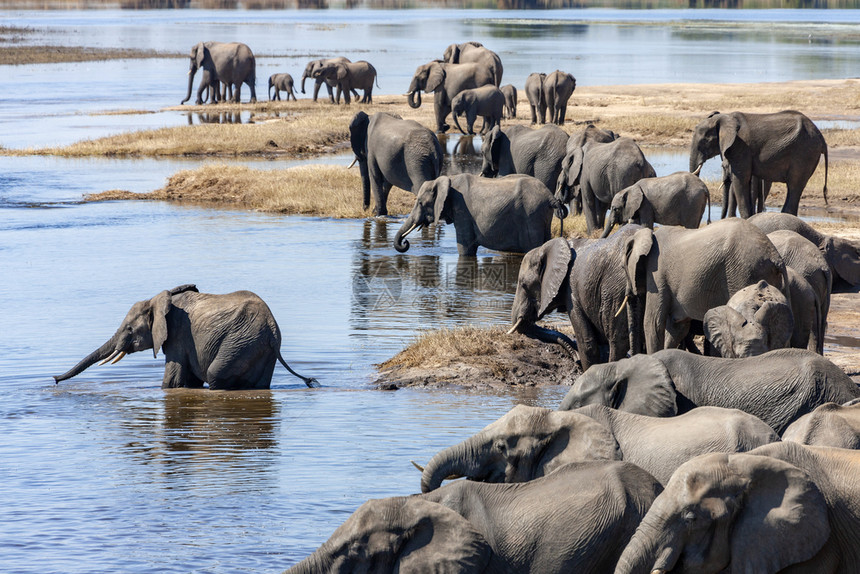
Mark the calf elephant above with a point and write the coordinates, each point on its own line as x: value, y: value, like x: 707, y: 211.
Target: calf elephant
x: 783, y: 146
x: 281, y: 82
x: 828, y: 425
x: 557, y: 89
x: 446, y: 81
x: 393, y: 152
x: 518, y: 149
x: 486, y: 101
x: 232, y: 63
x: 475, y: 53
x: 511, y: 213
x: 781, y: 508
x: 778, y: 387
x: 510, y: 93
x: 330, y: 83
x: 536, y: 97
x: 229, y: 341
x: 349, y: 77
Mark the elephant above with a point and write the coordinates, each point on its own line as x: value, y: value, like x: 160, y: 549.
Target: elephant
x: 531, y: 442
x: 446, y: 81
x: 281, y: 82
x: 783, y: 146
x: 536, y: 97
x: 577, y: 519
x: 677, y: 199
x: 842, y: 255
x: 759, y: 190
x: 313, y: 66
x: 588, y: 283
x: 511, y: 213
x: 231, y: 63
x: 755, y: 320
x: 557, y: 89
x: 828, y: 425
x: 684, y: 272
x: 486, y: 101
x: 518, y: 149
x: 782, y: 507
x: 229, y: 341
x: 778, y: 387
x: 600, y: 170
x: 349, y: 77
x: 390, y: 152
x: 510, y: 92
x: 475, y: 53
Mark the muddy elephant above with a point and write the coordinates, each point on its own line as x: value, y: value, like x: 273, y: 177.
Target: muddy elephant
x: 330, y: 84
x: 475, y: 53
x: 231, y: 63
x: 511, y: 213
x: 390, y: 152
x: 486, y: 101
x: 348, y: 77
x: 536, y: 97
x: 281, y: 82
x: 828, y: 425
x: 783, y: 146
x: 229, y: 341
x: 510, y: 93
x: 778, y: 387
x: 782, y: 508
x: 677, y: 199
x: 446, y: 81
x: 518, y: 149
x: 549, y: 525
x: 558, y: 86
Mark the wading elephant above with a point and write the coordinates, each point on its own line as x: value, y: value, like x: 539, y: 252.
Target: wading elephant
x: 349, y: 77
x: 828, y: 425
x: 446, y: 81
x: 229, y: 341
x: 684, y: 272
x: 778, y: 387
x: 475, y: 53
x: 842, y: 255
x: 281, y: 82
x: 578, y: 519
x: 781, y: 508
x: 557, y: 89
x: 518, y: 149
x: 530, y: 442
x: 393, y: 152
x: 536, y: 98
x: 231, y: 63
x: 511, y: 213
x: 330, y: 84
x: 510, y: 93
x: 677, y: 199
x: 486, y: 101
x: 784, y: 146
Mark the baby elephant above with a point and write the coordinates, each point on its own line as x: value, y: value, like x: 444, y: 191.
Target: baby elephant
x: 486, y: 101
x: 510, y: 92
x: 677, y: 199
x: 229, y: 341
x: 281, y: 82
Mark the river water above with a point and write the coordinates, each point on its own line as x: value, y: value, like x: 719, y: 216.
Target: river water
x: 107, y: 472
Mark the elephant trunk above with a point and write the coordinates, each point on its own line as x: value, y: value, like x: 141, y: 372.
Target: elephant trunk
x: 459, y: 460
x: 304, y: 75
x: 321, y: 561
x: 652, y: 548
x: 99, y: 354
x: 191, y: 74
x: 400, y: 242
x: 550, y: 336
x: 610, y: 223
x: 412, y: 103
x: 365, y: 185
x: 454, y: 115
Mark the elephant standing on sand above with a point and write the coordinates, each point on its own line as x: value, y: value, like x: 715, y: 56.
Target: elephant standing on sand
x: 536, y: 97
x: 281, y: 82
x: 393, y: 152
x: 486, y: 101
x: 232, y: 64
x: 229, y: 341
x: 518, y: 149
x: 784, y: 146
x: 330, y: 84
x: 349, y: 77
x: 510, y: 93
x: 446, y: 81
x: 557, y: 89
x: 475, y: 53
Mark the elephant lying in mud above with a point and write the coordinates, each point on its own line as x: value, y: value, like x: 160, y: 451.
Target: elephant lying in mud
x: 530, y: 442
x: 778, y: 387
x: 828, y: 425
x: 578, y: 519
x: 229, y: 341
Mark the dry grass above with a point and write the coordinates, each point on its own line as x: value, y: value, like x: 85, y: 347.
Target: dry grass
x: 21, y: 55
x: 442, y: 346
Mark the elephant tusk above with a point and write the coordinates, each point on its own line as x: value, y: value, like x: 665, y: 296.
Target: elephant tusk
x: 623, y: 305
x: 355, y: 159
x: 416, y: 465
x: 658, y: 571
x: 118, y: 358
x: 112, y: 355
x: 514, y: 328
x: 698, y: 170
x: 411, y: 229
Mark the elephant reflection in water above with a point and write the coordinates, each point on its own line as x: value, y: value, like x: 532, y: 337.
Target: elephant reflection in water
x: 226, y: 117
x: 462, y: 154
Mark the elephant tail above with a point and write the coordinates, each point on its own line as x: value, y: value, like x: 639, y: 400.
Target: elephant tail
x: 560, y: 209
x: 824, y: 191
x: 309, y: 381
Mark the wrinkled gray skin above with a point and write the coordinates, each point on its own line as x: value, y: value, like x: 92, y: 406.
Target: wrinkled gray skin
x: 518, y: 149
x: 510, y: 92
x: 755, y: 320
x: 778, y: 387
x: 558, y: 86
x: 231, y: 63
x: 600, y: 170
x: 330, y: 84
x: 486, y: 101
x: 759, y: 190
x: 842, y: 255
x: 281, y: 82
x: 445, y: 81
x: 781, y: 508
x: 684, y: 272
x: 589, y: 284
x: 783, y: 146
x: 536, y: 98
x: 347, y: 78
x: 530, y: 442
x: 804, y: 258
x: 806, y: 310
x: 511, y: 213
x: 475, y: 53
x: 677, y: 199
x: 392, y: 152
x: 828, y: 425
x: 229, y: 341
x: 576, y: 520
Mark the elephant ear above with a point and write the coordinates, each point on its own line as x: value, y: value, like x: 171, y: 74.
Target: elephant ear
x: 556, y: 260
x: 342, y: 72
x: 575, y: 437
x: 452, y: 54
x: 778, y: 323
x: 160, y: 306
x: 720, y: 325
x: 782, y: 505
x: 728, y: 126
x: 435, y: 78
x: 643, y: 386
x: 636, y: 250
x: 199, y: 54
x: 495, y: 145
x: 575, y: 170
x: 440, y: 205
x: 844, y: 256
x: 633, y: 203
x: 358, y: 134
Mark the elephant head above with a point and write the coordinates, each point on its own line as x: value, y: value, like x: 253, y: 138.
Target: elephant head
x: 491, y: 150
x: 144, y: 327
x: 629, y: 206
x: 459, y: 106
x: 526, y: 443
x: 843, y: 255
x: 310, y: 68
x: 358, y: 141
x: 432, y: 205
x: 713, y: 136
x: 640, y: 385
x: 428, y: 78
x: 335, y: 71
x: 730, y: 513
x: 200, y: 58
x: 402, y: 534
x: 571, y: 165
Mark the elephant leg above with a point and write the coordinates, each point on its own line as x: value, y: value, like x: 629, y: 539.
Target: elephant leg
x: 442, y: 109
x: 589, y: 208
x: 676, y: 333
x: 347, y: 97
x: 741, y: 190
x: 386, y: 189
x: 542, y: 108
x: 533, y: 111
x: 253, y: 90
x: 655, y: 316
x: 586, y: 340
x: 792, y: 196
x: 467, y: 239
x: 178, y: 375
